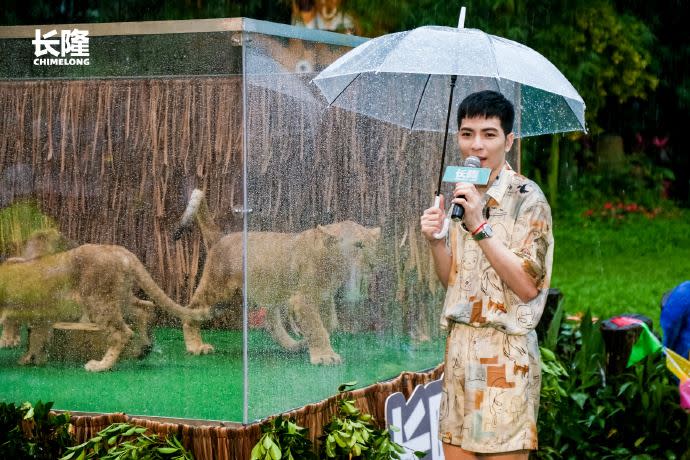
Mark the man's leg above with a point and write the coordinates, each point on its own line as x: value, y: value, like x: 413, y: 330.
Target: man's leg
x: 451, y: 452
x: 514, y: 455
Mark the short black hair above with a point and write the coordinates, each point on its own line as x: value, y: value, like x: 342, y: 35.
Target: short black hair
x: 488, y: 104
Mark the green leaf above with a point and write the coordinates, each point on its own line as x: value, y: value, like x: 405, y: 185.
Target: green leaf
x: 344, y: 386
x: 258, y: 452
x: 275, y: 453
x: 266, y: 441
x: 167, y: 450
x: 624, y: 387
x: 554, y: 327
x: 547, y: 355
x: 29, y: 413
x: 579, y: 398
x: 339, y: 440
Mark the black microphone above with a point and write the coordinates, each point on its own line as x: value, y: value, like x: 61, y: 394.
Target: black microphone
x: 459, y: 211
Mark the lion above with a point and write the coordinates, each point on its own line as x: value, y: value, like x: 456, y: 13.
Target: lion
x: 91, y: 280
x: 39, y: 243
x: 301, y: 270
x: 50, y: 241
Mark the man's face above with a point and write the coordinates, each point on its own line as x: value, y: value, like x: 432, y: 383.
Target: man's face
x: 484, y: 138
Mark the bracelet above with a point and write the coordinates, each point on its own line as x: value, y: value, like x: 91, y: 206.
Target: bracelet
x: 479, y: 228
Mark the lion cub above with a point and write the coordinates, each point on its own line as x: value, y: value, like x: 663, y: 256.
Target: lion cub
x: 40, y: 243
x: 95, y: 281
x: 301, y: 270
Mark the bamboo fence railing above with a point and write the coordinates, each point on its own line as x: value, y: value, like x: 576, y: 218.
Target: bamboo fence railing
x: 218, y: 441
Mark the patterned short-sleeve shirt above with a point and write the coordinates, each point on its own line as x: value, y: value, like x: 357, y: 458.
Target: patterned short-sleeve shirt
x: 491, y: 383
x: 521, y: 219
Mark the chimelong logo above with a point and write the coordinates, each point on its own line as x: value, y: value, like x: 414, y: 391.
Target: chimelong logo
x: 71, y: 47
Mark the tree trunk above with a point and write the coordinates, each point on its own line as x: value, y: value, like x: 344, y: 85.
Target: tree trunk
x: 619, y: 341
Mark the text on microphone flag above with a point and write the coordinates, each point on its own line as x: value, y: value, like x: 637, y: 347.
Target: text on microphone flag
x: 477, y: 176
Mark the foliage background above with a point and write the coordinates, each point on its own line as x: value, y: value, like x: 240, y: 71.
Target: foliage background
x: 620, y: 229
x: 628, y: 59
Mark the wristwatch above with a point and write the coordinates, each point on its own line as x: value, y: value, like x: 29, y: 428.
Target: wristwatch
x: 485, y: 232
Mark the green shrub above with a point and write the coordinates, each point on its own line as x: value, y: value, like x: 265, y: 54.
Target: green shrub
x: 636, y: 181
x: 33, y: 432
x: 122, y: 441
x: 350, y: 434
x: 584, y: 414
x: 283, y: 438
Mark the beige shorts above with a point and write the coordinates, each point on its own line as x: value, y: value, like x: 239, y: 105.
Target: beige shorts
x: 491, y: 390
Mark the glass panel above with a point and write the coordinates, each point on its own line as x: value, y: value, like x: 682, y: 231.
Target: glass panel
x: 340, y: 285
x: 109, y: 154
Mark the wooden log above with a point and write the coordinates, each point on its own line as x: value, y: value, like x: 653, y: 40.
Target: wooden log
x: 553, y: 299
x: 81, y: 342
x: 619, y: 341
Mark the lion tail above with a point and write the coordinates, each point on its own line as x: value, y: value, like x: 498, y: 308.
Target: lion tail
x: 188, y: 215
x: 160, y: 298
x: 198, y: 209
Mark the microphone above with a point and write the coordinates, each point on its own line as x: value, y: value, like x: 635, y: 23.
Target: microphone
x: 459, y: 211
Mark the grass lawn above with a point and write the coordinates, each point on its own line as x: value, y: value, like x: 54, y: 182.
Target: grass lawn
x: 625, y: 266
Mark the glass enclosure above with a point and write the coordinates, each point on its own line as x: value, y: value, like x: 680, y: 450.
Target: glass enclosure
x: 203, y: 149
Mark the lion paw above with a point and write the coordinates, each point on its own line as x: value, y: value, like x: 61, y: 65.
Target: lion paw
x: 201, y: 349
x: 326, y: 358
x: 26, y: 359
x: 96, y: 366
x: 33, y: 358
x: 143, y: 350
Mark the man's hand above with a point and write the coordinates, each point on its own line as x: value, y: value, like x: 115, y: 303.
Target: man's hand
x: 467, y: 196
x: 432, y: 221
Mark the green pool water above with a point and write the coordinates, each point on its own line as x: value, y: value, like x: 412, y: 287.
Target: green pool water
x: 171, y: 383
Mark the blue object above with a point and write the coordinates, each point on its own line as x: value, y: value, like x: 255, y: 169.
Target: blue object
x: 464, y: 174
x: 675, y: 319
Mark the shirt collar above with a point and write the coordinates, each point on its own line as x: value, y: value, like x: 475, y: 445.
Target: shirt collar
x: 498, y: 189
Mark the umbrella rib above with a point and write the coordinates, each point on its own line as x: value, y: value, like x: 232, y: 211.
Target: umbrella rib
x: 419, y: 102
x: 493, y: 55
x: 344, y: 89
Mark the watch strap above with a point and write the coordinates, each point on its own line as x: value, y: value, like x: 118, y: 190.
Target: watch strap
x: 484, y: 232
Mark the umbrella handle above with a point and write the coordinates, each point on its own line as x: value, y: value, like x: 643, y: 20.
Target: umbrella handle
x: 446, y: 222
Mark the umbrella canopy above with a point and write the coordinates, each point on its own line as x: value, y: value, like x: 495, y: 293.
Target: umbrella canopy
x: 402, y: 78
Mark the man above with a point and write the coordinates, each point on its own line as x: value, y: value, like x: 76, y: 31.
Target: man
x: 497, y: 272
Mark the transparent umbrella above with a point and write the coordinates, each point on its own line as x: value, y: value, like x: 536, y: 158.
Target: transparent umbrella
x: 403, y: 78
